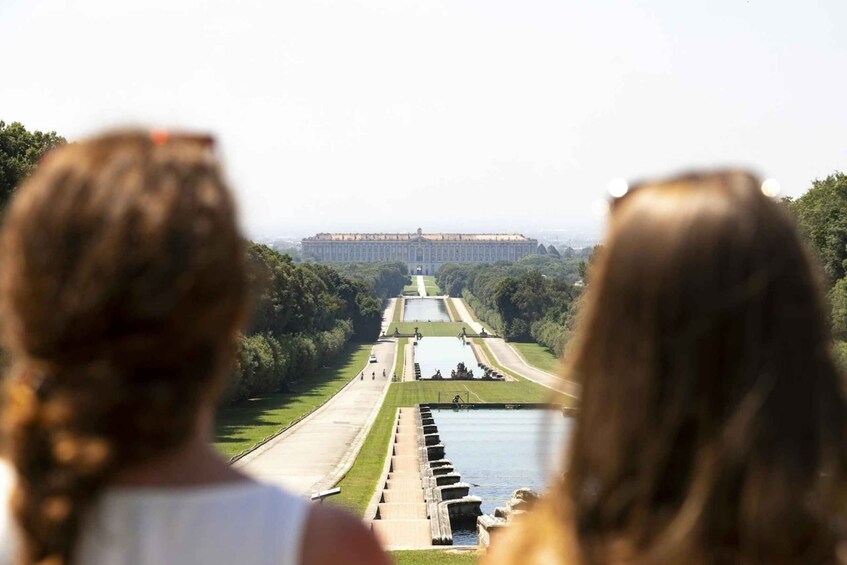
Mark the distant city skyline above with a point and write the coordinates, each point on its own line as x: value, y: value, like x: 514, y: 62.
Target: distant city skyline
x: 444, y: 114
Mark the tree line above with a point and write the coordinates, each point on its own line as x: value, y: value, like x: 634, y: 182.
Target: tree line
x: 304, y: 315
x: 20, y: 151
x: 533, y: 299
x: 821, y: 214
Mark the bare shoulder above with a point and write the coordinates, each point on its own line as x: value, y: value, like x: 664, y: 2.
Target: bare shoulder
x: 335, y: 536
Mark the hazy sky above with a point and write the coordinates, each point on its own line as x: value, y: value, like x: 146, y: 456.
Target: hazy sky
x: 470, y: 114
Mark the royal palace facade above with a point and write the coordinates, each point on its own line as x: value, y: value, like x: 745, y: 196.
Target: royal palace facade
x: 423, y: 253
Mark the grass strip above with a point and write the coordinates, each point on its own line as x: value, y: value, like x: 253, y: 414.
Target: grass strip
x: 537, y: 356
x: 399, y: 307
x: 485, y: 325
x: 399, y: 359
x: 242, y: 426
x: 435, y: 557
x: 410, y: 290
x: 440, y: 329
x: 431, y: 286
x: 454, y: 314
x: 358, y: 486
x: 429, y: 280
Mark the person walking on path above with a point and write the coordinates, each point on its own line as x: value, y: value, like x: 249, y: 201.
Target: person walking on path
x: 123, y: 290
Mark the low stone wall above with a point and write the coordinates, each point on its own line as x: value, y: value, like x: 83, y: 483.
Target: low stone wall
x: 487, y: 525
x: 448, y: 500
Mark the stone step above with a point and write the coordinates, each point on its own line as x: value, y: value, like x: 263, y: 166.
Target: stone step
x: 402, y: 495
x: 405, y: 467
x: 404, y: 474
x: 405, y: 464
x: 403, y: 533
x: 404, y: 483
x: 402, y: 511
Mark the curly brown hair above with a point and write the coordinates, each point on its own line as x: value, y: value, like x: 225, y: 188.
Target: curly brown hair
x: 122, y: 287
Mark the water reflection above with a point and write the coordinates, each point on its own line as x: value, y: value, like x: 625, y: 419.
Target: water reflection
x: 425, y: 310
x: 444, y: 353
x: 497, y: 451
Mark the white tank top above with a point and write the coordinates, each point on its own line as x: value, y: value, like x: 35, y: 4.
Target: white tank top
x: 243, y: 523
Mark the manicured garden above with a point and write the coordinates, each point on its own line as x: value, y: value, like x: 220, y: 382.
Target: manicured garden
x: 439, y: 329
x: 358, y: 486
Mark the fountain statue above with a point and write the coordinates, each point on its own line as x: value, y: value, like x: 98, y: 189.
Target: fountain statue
x: 461, y: 372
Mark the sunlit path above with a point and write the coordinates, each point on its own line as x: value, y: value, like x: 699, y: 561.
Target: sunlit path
x: 421, y: 286
x: 316, y: 452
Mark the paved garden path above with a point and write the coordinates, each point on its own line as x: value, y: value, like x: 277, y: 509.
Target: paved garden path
x: 315, y: 453
x: 505, y: 355
x: 421, y: 286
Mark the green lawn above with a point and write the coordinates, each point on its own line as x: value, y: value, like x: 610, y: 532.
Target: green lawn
x: 431, y: 287
x: 452, y: 309
x: 410, y: 289
x: 242, y: 426
x: 399, y: 359
x: 435, y: 557
x: 441, y: 329
x: 398, y: 310
x: 538, y: 356
x: 359, y: 484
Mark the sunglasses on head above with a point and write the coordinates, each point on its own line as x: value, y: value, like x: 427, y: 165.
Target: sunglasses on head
x: 619, y: 188
x: 163, y: 136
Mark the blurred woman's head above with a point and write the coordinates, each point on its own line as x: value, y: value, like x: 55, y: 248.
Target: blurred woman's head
x: 711, y: 426
x: 712, y: 420
x: 122, y: 287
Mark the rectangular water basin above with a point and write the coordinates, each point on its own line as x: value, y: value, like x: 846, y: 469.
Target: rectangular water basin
x: 425, y: 310
x: 498, y: 451
x: 444, y: 353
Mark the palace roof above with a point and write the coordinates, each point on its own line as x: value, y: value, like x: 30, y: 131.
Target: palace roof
x: 419, y: 236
